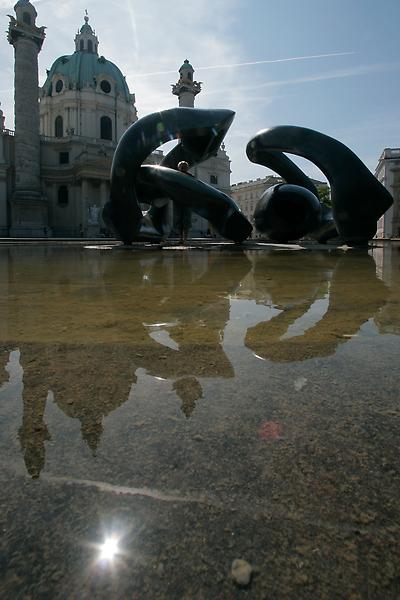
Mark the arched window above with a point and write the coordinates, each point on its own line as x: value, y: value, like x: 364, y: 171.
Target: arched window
x: 62, y: 195
x: 59, y: 126
x: 26, y: 17
x: 90, y: 46
x: 82, y: 45
x: 190, y: 76
x: 106, y: 128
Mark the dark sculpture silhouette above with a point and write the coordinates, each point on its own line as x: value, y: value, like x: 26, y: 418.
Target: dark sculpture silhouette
x: 358, y: 198
x: 201, y: 133
x: 287, y: 212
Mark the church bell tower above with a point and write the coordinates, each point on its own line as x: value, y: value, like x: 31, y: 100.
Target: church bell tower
x: 28, y: 206
x: 186, y: 89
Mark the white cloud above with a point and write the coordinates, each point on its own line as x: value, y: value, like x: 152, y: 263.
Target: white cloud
x: 327, y: 75
x: 253, y: 63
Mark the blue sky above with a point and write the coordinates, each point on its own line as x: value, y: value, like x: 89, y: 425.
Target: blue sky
x: 351, y: 91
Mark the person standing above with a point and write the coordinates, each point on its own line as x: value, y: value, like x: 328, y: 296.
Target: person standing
x: 183, y: 213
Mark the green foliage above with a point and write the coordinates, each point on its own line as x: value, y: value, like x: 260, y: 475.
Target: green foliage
x: 325, y: 195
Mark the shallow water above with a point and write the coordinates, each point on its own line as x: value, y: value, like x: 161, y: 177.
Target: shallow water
x: 197, y: 407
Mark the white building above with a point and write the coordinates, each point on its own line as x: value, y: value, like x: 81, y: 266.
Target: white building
x: 388, y: 173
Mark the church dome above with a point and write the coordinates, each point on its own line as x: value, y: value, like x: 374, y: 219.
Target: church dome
x: 85, y: 94
x: 85, y: 69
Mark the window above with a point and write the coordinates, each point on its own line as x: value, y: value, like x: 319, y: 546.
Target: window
x: 82, y: 45
x: 59, y: 86
x: 59, y: 127
x: 63, y: 195
x: 105, y: 86
x: 213, y: 179
x: 26, y: 17
x: 105, y: 128
x: 90, y: 46
x: 190, y: 76
x: 64, y: 158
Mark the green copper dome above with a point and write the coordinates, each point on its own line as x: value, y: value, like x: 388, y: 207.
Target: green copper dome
x: 85, y: 69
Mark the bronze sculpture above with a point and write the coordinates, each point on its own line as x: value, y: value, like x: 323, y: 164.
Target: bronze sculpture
x: 285, y: 212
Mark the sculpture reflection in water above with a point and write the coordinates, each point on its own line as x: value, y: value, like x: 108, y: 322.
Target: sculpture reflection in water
x: 89, y: 346
x: 348, y: 294
x: 200, y: 133
x: 358, y: 198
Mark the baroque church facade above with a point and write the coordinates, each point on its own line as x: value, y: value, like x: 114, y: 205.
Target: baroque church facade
x: 55, y: 167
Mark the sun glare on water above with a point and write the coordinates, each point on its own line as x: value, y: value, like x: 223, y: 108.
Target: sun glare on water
x: 109, y: 549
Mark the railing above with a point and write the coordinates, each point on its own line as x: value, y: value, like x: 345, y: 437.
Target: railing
x: 78, y: 138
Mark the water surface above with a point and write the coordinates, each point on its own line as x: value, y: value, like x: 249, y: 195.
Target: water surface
x: 189, y: 408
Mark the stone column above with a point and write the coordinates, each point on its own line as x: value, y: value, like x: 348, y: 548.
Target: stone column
x: 28, y: 206
x: 3, y: 184
x: 27, y: 141
x: 396, y: 209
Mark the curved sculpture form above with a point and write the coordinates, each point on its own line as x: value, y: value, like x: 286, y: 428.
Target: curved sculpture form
x: 201, y: 133
x: 208, y: 202
x: 329, y: 277
x: 291, y: 173
x: 287, y: 212
x: 358, y: 199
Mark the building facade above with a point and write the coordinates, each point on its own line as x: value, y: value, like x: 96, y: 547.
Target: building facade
x: 388, y: 173
x: 55, y: 167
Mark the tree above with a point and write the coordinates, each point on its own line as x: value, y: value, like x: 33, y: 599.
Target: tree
x: 324, y: 192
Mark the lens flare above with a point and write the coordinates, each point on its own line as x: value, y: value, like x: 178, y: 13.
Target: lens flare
x: 109, y: 549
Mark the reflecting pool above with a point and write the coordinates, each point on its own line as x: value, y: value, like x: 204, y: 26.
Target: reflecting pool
x: 164, y: 413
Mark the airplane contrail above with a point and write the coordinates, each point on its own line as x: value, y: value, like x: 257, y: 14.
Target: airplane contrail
x: 254, y: 62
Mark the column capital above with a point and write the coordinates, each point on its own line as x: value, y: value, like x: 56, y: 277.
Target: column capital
x: 18, y: 30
